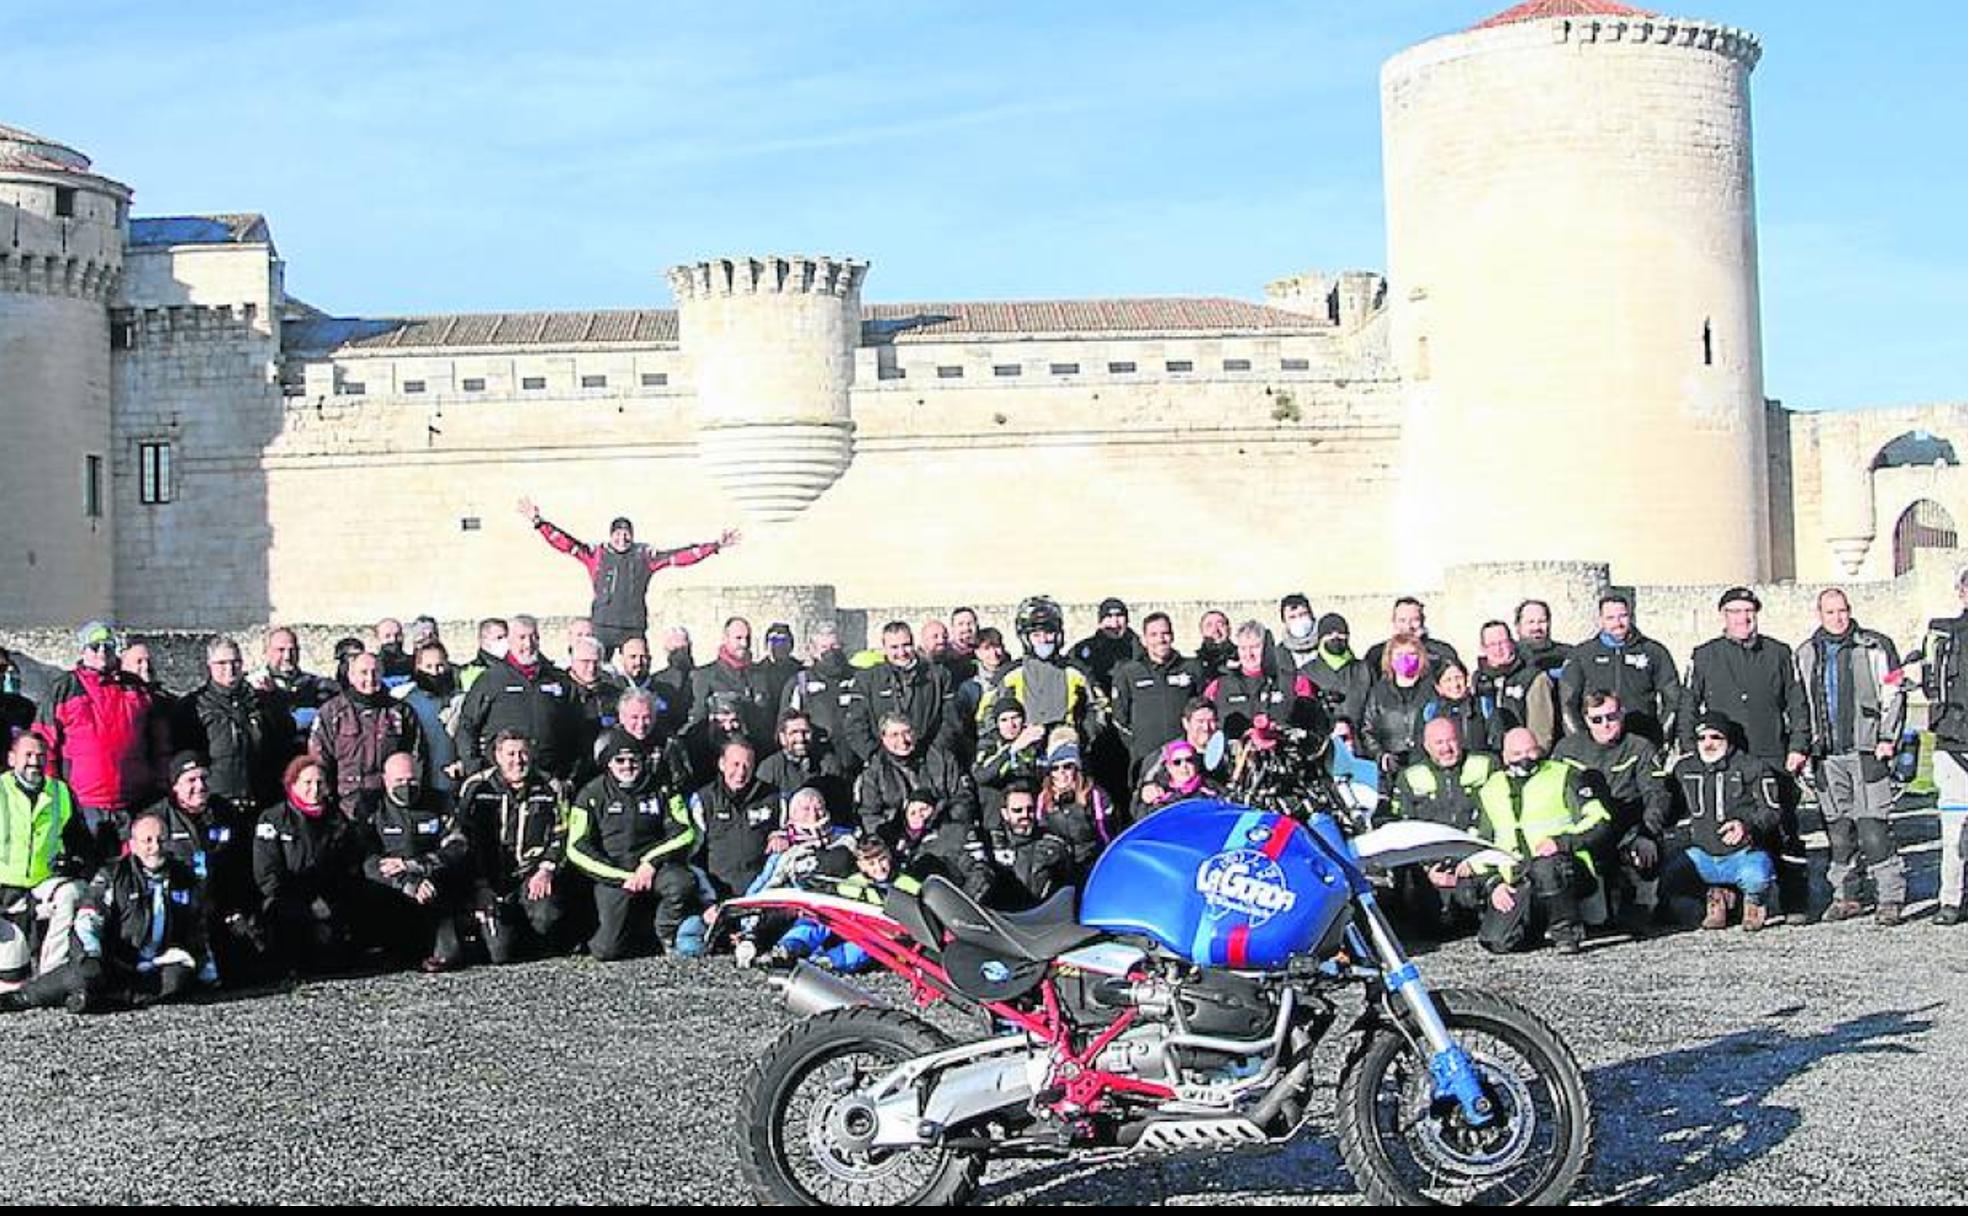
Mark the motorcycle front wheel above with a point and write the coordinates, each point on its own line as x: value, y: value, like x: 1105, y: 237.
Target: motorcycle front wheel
x: 1405, y: 1146
x: 803, y: 1129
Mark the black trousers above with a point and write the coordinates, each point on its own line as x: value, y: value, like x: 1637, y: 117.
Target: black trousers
x: 1548, y: 893
x: 514, y: 928
x: 110, y: 983
x: 631, y: 924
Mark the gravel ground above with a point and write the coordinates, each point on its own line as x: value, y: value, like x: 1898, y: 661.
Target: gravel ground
x: 1811, y: 1065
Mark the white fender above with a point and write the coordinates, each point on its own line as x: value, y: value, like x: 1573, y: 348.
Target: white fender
x: 1407, y: 842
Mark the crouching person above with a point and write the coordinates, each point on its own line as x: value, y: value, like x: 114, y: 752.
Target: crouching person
x: 631, y: 834
x: 140, y: 933
x: 44, y: 842
x: 807, y: 853
x: 1732, y: 801
x: 873, y: 878
x: 414, y: 901
x: 1544, y: 812
x: 510, y: 835
x: 305, y: 858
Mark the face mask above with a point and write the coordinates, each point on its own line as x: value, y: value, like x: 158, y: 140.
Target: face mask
x: 1301, y: 628
x: 1335, y: 647
x: 405, y: 795
x: 498, y: 649
x: 1521, y: 769
x: 1407, y: 666
x: 440, y: 685
x: 1045, y: 650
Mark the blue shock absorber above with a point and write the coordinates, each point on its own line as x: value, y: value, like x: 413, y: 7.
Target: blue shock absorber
x: 1450, y: 1067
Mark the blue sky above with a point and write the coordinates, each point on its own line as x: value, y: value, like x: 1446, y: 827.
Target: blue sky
x: 443, y: 156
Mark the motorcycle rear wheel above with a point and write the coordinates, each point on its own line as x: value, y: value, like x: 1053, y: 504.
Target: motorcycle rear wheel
x: 1406, y: 1148
x: 795, y: 1123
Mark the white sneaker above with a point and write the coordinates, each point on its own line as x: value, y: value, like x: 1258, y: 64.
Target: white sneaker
x: 745, y: 953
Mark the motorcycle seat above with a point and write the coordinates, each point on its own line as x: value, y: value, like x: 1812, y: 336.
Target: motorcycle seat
x: 1037, y: 936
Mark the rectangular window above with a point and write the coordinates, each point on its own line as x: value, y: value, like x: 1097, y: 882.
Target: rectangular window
x: 65, y: 202
x: 1120, y: 369
x: 594, y: 382
x: 122, y: 335
x: 1236, y: 365
x: 949, y: 372
x: 153, y: 473
x: 413, y: 386
x: 1181, y: 365
x: 1065, y: 369
x: 470, y: 523
x: 1007, y: 369
x: 474, y: 385
x: 533, y: 384
x: 1295, y: 365
x: 92, y: 485
x: 351, y: 388
x: 655, y: 379
x: 892, y: 373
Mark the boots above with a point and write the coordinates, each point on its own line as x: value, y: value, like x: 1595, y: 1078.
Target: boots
x: 1720, y: 901
x: 1842, y: 909
x: 1755, y: 916
x: 1949, y: 914
x: 1890, y: 916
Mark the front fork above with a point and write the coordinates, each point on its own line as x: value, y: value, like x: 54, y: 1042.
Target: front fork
x: 1454, y: 1074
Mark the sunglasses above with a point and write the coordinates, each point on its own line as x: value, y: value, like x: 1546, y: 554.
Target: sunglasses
x: 1709, y: 736
x: 1602, y: 719
x: 1182, y: 762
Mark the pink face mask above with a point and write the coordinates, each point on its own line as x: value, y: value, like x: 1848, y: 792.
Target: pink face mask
x: 1407, y: 666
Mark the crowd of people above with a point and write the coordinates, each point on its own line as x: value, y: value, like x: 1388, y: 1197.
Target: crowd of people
x: 411, y: 809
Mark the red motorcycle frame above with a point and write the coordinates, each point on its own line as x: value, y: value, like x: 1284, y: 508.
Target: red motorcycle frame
x: 1081, y: 1089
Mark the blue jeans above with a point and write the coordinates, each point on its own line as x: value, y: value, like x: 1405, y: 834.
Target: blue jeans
x: 1751, y: 871
x: 809, y: 938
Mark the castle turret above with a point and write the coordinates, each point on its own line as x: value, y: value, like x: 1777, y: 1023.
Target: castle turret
x: 1573, y: 286
x: 771, y: 343
x: 61, y: 251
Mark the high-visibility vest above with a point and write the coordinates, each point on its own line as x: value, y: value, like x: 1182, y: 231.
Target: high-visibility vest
x: 31, y: 829
x: 1550, y: 803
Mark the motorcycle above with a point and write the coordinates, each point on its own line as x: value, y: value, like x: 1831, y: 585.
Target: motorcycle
x: 1177, y: 1011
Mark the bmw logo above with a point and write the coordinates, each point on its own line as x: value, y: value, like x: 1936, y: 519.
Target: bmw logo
x: 994, y: 972
x: 1258, y: 835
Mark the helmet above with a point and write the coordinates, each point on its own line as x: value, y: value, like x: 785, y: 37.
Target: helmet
x: 1039, y: 612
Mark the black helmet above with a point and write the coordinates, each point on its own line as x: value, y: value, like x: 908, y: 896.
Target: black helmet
x: 1039, y: 612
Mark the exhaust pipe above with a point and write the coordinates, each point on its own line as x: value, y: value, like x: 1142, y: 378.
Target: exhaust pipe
x: 809, y: 991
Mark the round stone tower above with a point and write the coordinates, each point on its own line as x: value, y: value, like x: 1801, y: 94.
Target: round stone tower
x: 1573, y: 287
x: 771, y: 343
x: 61, y: 251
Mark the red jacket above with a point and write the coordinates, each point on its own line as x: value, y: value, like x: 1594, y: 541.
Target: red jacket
x: 107, y: 740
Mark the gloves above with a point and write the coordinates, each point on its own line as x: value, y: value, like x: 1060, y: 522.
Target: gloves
x: 1644, y: 852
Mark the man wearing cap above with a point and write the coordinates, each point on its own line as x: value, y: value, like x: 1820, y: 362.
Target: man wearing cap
x: 1014, y: 751
x: 1619, y: 660
x: 620, y: 571
x: 1733, y: 803
x: 780, y: 668
x: 212, y: 836
x: 105, y: 735
x: 1752, y: 681
x: 1110, y: 645
x: 1149, y: 693
x: 1340, y: 680
x: 1854, y: 709
x: 243, y: 731
x: 632, y: 835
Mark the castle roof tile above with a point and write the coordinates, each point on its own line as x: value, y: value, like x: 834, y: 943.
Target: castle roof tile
x: 1539, y: 10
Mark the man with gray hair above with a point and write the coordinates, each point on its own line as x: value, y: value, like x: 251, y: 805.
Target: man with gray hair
x: 242, y: 731
x: 594, y: 695
x: 1944, y: 676
x: 1855, y: 708
x: 1254, y: 684
x: 824, y: 691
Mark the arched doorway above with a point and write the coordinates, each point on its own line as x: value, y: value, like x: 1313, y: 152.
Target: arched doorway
x: 1924, y: 525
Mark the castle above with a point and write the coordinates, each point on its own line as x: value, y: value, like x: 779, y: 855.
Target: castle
x: 1562, y: 364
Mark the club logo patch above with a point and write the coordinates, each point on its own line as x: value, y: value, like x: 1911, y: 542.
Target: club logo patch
x: 1246, y: 883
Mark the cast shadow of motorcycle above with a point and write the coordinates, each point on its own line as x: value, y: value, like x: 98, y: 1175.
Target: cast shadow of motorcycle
x: 1216, y: 947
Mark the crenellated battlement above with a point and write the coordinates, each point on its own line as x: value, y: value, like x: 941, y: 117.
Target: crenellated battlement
x: 140, y: 328
x: 795, y: 274
x: 44, y: 274
x: 1614, y: 31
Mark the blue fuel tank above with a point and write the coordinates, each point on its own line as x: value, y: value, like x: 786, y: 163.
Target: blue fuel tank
x: 1220, y: 885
